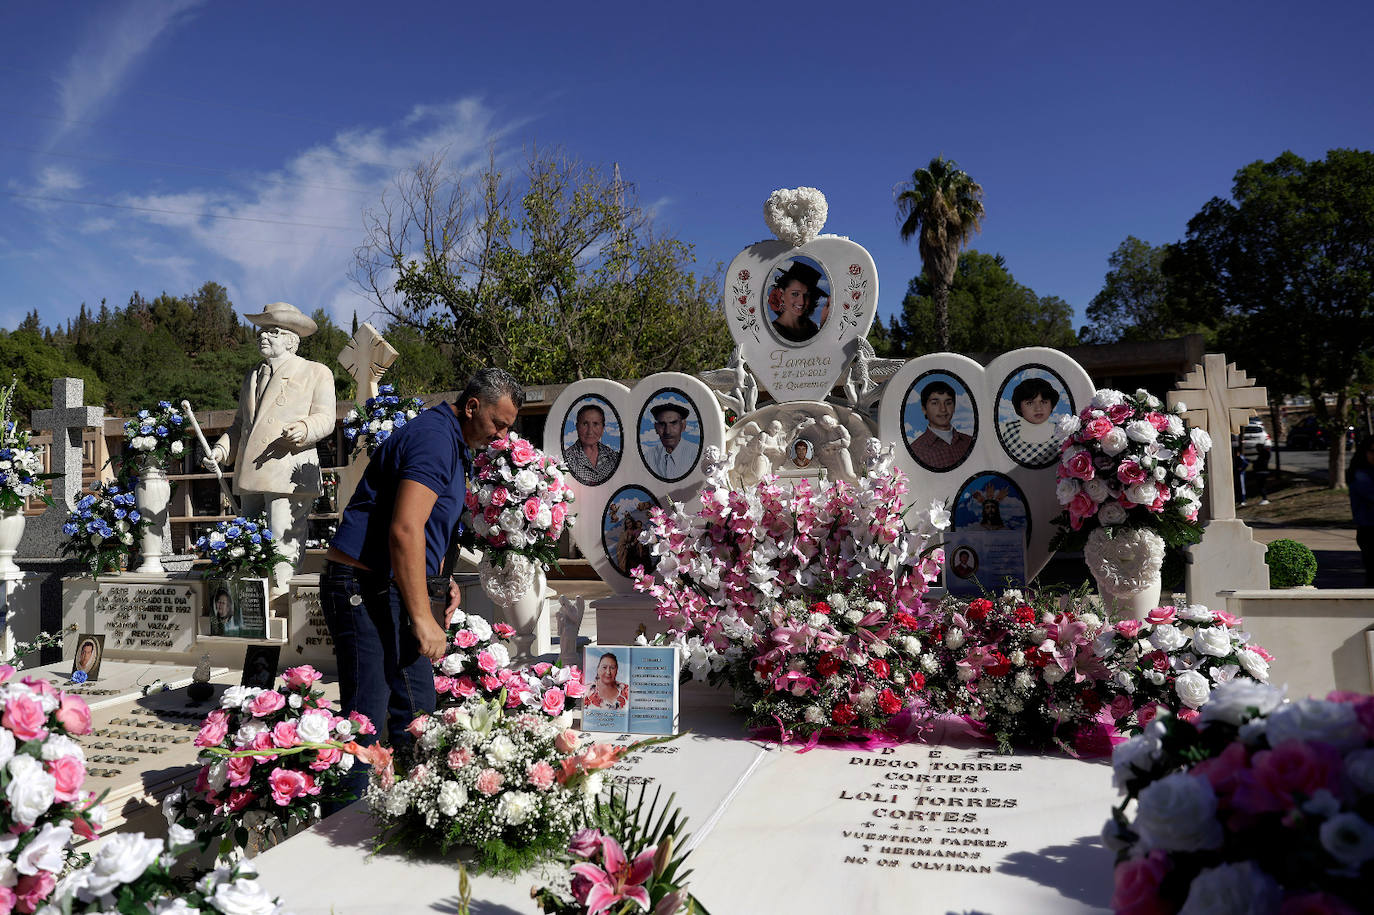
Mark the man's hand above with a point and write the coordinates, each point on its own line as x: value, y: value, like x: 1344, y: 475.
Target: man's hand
x: 455, y: 594
x: 432, y: 639
x: 296, y: 432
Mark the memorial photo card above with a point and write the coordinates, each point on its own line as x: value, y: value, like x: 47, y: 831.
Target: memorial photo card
x: 237, y: 607
x: 260, y: 666
x: 90, y: 649
x: 631, y: 689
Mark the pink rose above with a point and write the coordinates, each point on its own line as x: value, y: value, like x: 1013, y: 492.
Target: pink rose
x: 1158, y: 420
x: 489, y: 781
x: 566, y: 742
x: 6, y: 671
x: 24, y: 716
x: 1082, y: 506
x: 1137, y: 881
x: 326, y: 758
x: 287, y: 785
x: 1225, y: 618
x: 32, y: 890
x: 504, y: 631
x: 459, y: 757
x: 1223, y: 771
x: 1080, y: 466
x: 1119, y: 413
x: 266, y: 702
x: 575, y: 688
x: 541, y: 775
x: 361, y: 724
x: 463, y: 687
x: 284, y: 734
x: 41, y: 686
x: 489, y: 683
x: 1189, y: 715
x: 1129, y: 628
x: 240, y: 799
x: 531, y: 508
x: 486, y: 662
x: 1096, y: 428
x: 416, y: 728
x: 465, y: 638
x: 1130, y: 473
x: 1160, y: 615
x: 470, y: 501
x: 522, y: 452
x: 553, y: 701
x: 1121, y: 706
x: 1146, y: 713
x: 69, y: 774
x: 74, y: 714
x: 491, y: 513
x: 559, y: 513
x: 1294, y: 767
x: 240, y: 770
x: 304, y: 675
x: 499, y: 497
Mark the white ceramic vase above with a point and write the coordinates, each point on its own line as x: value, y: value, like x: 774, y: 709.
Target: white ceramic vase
x: 11, y: 532
x: 152, y: 495
x: 1125, y: 563
x: 519, y: 590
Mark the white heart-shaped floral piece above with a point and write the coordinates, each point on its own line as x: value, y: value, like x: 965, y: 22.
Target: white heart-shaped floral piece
x: 796, y: 215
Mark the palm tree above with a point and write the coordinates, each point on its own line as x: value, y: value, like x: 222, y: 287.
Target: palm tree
x: 943, y: 206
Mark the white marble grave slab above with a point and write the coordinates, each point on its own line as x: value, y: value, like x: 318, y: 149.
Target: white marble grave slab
x: 140, y: 615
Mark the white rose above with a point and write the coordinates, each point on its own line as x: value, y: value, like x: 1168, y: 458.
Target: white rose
x: 122, y: 858
x: 1141, y: 431
x: 1134, y: 756
x: 1173, y: 425
x: 1316, y: 719
x: 218, y: 775
x: 249, y: 732
x: 480, y: 627
x: 1196, y: 613
x: 1178, y: 813
x: 515, y: 807
x: 526, y: 481
x: 1214, y: 641
x: 31, y: 790
x: 314, y: 727
x: 1142, y: 493
x: 1167, y: 637
x: 1359, y: 768
x: 1349, y: 838
x: 451, y: 665
x: 451, y: 797
x: 180, y: 837
x: 1253, y: 664
x: 1107, y: 397
x: 1111, y: 514
x: 1066, y: 489
x: 1069, y: 424
x: 1053, y: 674
x: 516, y: 540
x: 1192, y: 688
x: 178, y: 447
x: 1200, y: 439
x: 544, y: 518
x: 237, y: 697
x: 1098, y: 490
x: 501, y: 750
x: 511, y: 520
x: 6, y: 746
x: 954, y: 638
x: 1114, y: 442
x: 1231, y: 888
x: 46, y: 851
x: 173, y: 907
x: 243, y: 897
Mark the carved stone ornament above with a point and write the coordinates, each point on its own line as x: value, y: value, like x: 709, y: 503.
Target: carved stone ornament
x: 792, y: 440
x: 1126, y: 565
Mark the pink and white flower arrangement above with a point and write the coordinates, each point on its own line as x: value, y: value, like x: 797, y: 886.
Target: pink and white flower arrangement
x: 518, y: 503
x: 1257, y: 805
x: 1127, y: 462
x: 270, y: 758
x: 1022, y: 667
x: 42, y: 803
x: 1172, y: 659
x: 513, y: 786
x: 477, y: 664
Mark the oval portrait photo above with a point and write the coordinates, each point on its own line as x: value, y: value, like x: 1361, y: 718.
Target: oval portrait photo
x: 1030, y: 404
x: 990, y: 502
x: 939, y: 421
x: 797, y: 297
x: 669, y: 434
x: 592, y: 440
x: 625, y: 518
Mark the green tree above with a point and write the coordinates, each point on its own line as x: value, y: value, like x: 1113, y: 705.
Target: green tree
x: 1133, y: 302
x: 324, y: 346
x: 556, y: 274
x: 34, y: 362
x: 990, y: 312
x: 1285, y: 270
x: 942, y: 207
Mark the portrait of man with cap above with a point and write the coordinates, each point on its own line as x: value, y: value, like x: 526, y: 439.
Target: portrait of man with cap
x: 670, y: 458
x: 286, y: 405
x: 795, y: 295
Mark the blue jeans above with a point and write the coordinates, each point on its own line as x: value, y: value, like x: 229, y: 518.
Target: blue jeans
x: 381, y: 671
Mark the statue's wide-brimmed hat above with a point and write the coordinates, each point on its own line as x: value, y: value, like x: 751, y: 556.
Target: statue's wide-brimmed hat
x: 282, y: 314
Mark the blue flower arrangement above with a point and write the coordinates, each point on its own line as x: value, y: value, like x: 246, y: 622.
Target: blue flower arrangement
x: 154, y: 437
x: 381, y: 416
x: 239, y: 547
x: 103, y: 526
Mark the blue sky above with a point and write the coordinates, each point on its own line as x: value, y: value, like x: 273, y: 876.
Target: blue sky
x: 1084, y: 123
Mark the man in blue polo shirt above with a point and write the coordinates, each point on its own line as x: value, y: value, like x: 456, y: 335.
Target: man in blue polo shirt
x: 395, y: 533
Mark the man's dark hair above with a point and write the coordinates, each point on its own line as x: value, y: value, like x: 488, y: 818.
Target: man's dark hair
x: 489, y: 385
x: 936, y: 387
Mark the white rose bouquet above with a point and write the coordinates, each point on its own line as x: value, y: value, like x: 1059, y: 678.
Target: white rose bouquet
x: 154, y: 437
x: 513, y: 787
x: 1126, y: 462
x: 1171, y: 660
x: 21, y: 464
x: 380, y: 418
x: 518, y: 504
x: 1257, y: 805
x: 239, y: 547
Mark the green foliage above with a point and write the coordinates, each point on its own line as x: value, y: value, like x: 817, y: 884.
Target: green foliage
x: 1291, y: 564
x: 1134, y: 302
x: 34, y: 363
x: 989, y: 312
x: 556, y: 274
x: 324, y: 346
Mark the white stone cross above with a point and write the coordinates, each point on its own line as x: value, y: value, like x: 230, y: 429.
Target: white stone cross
x: 1220, y: 398
x: 67, y: 419
x: 366, y: 357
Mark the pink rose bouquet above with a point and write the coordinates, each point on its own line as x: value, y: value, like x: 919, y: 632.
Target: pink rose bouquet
x: 477, y: 664
x: 1127, y: 462
x: 1264, y: 804
x: 1172, y: 659
x: 518, y: 503
x: 270, y: 757
x: 1022, y: 667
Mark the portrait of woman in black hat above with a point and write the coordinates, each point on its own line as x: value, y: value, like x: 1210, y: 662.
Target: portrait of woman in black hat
x: 795, y: 295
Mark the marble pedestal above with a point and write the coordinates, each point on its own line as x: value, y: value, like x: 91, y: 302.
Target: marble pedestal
x: 1228, y: 559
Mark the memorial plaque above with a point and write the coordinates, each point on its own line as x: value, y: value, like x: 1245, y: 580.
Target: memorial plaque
x: 310, y: 641
x: 157, y: 617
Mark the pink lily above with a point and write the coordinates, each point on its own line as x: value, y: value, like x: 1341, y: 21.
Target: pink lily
x: 621, y: 878
x: 797, y: 682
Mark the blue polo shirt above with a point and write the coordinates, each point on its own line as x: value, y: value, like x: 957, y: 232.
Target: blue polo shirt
x: 429, y: 450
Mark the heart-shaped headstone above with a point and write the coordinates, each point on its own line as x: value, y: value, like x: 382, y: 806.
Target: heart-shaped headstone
x: 798, y: 339
x: 984, y: 440
x: 649, y: 443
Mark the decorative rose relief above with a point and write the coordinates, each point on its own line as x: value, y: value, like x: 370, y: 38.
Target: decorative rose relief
x: 799, y: 312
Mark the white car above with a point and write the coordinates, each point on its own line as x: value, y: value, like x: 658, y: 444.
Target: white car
x: 1252, y: 436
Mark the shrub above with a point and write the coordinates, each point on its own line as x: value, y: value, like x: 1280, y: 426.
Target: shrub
x: 1291, y: 564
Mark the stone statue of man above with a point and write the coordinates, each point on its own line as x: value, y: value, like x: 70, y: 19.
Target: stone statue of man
x: 286, y: 405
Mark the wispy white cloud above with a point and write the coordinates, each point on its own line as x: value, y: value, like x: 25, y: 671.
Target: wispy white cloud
x: 57, y: 178
x: 115, y: 43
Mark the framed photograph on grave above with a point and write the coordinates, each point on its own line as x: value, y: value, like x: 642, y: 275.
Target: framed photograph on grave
x: 670, y: 434
x: 991, y: 501
x: 1030, y: 403
x: 592, y: 439
x: 627, y: 516
x: 980, y: 561
x: 237, y: 607
x: 260, y: 665
x: 803, y: 453
x: 939, y: 421
x: 633, y: 689
x: 797, y: 299
x: 90, y: 649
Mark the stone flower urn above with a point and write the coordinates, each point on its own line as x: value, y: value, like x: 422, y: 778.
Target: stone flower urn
x: 152, y: 494
x: 519, y: 589
x: 11, y: 532
x: 1125, y: 563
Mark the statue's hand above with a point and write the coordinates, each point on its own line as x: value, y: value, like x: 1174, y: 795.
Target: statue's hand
x: 216, y: 458
x: 295, y: 432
